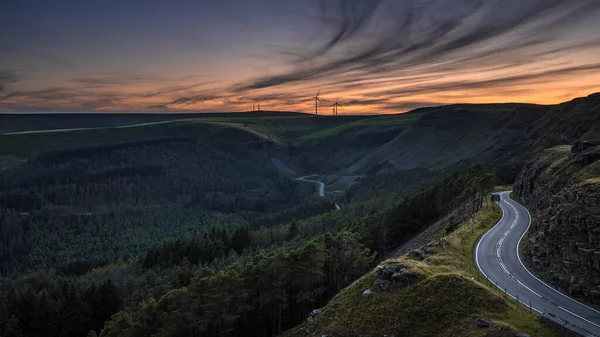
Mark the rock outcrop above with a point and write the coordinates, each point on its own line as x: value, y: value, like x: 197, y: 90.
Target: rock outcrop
x: 562, y: 191
x: 390, y: 272
x: 483, y: 322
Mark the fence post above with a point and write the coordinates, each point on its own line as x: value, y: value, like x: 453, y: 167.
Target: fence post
x: 517, y: 299
x: 504, y: 292
x: 529, y: 306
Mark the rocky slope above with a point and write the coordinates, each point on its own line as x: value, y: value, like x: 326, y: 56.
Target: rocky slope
x: 431, y: 291
x: 562, y: 190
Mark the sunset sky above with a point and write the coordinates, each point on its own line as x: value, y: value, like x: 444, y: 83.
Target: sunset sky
x: 376, y: 56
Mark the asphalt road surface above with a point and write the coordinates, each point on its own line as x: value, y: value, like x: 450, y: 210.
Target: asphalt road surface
x: 497, y: 257
x: 321, y: 185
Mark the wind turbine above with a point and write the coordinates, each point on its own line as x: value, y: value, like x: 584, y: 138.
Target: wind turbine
x: 317, y: 100
x: 335, y: 107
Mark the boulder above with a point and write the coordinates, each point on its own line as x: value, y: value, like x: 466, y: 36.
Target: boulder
x: 316, y: 312
x: 522, y: 334
x: 595, y: 296
x: 406, y: 276
x: 428, y: 251
x: 392, y: 271
x: 383, y: 284
x: 483, y: 322
x: 387, y: 269
x: 577, y: 291
x: 582, y: 145
x: 415, y: 254
x: 367, y: 293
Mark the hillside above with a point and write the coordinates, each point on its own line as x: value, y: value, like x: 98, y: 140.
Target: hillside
x: 437, y: 293
x: 115, y: 200
x: 433, y: 138
x: 567, y: 122
x: 31, y: 122
x: 562, y: 189
x: 198, y: 226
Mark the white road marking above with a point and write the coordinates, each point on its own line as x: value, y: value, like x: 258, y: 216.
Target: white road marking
x: 574, y: 314
x: 501, y: 263
x: 535, y: 277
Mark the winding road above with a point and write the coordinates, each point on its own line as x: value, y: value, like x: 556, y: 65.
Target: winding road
x: 321, y: 187
x: 497, y: 257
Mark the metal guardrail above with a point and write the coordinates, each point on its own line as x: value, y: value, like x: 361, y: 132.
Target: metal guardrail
x: 564, y: 326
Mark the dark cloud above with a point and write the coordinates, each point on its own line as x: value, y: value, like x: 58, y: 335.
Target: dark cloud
x: 194, y: 99
x: 158, y: 107
x: 377, y: 37
x: 62, y: 99
x: 6, y: 77
x: 116, y: 79
x: 528, y: 78
x: 177, y: 89
x: 348, y: 18
x: 389, y: 104
x: 405, y: 106
x: 367, y: 102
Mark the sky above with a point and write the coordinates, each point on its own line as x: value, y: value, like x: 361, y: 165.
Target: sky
x: 375, y: 56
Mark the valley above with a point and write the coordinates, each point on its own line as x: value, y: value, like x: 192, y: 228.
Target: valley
x: 242, y: 224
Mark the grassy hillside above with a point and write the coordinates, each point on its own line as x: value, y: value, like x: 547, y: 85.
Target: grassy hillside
x: 276, y: 129
x: 445, y: 302
x: 436, y: 138
x: 10, y: 123
x: 568, y: 122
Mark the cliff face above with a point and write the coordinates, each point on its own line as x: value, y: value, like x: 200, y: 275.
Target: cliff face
x: 562, y: 191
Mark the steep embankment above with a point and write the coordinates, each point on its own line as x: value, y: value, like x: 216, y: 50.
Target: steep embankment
x: 433, y: 291
x: 562, y: 190
x: 435, y: 138
x: 566, y: 123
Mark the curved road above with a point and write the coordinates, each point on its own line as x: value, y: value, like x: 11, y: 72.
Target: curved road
x: 321, y: 185
x: 497, y: 257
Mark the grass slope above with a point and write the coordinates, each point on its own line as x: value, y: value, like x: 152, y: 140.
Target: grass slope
x: 435, y: 138
x: 19, y: 122
x: 432, y: 138
x: 445, y: 303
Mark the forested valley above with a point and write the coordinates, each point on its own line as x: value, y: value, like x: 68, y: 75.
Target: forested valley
x: 187, y: 234
x: 155, y: 239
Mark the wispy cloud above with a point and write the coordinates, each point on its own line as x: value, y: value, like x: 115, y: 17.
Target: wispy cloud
x: 375, y: 37
x: 375, y: 55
